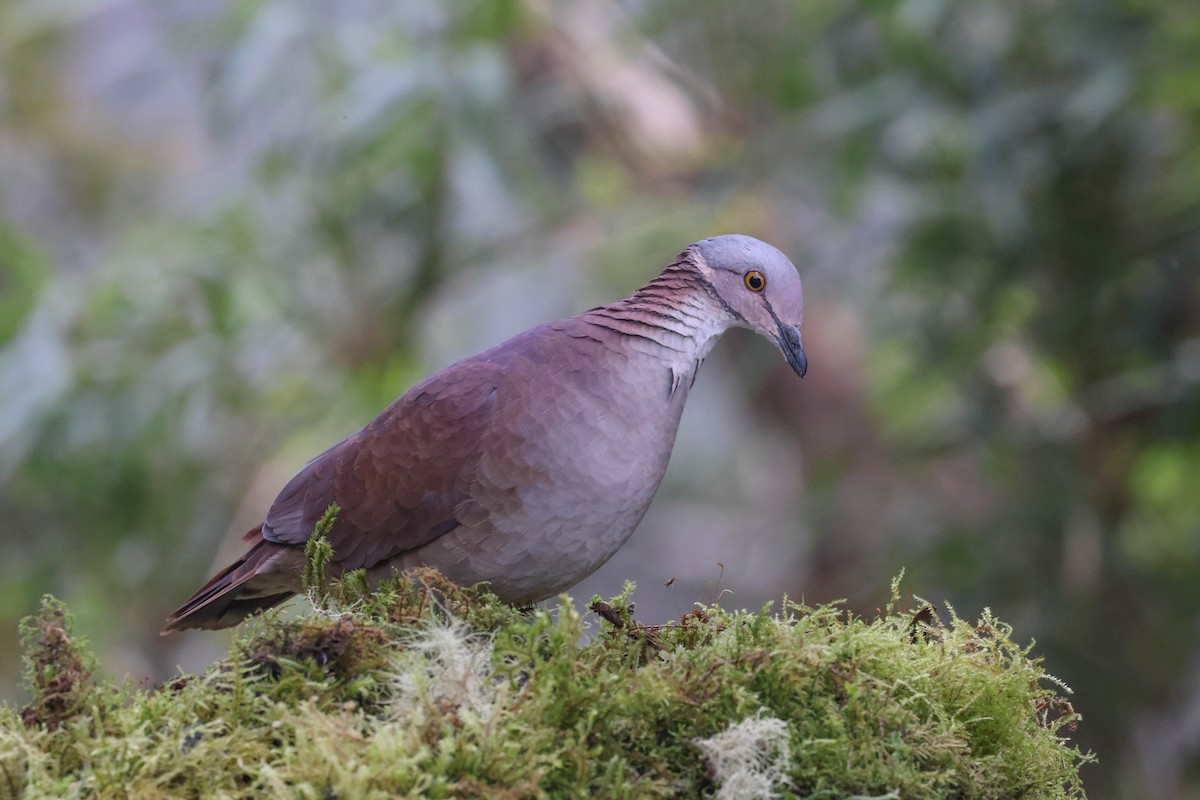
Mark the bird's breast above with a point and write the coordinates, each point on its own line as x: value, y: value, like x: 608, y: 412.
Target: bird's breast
x: 569, y: 468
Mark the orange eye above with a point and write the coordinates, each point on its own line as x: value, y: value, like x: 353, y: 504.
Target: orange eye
x: 755, y: 281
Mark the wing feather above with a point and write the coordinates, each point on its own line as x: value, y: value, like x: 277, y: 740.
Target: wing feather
x: 400, y: 479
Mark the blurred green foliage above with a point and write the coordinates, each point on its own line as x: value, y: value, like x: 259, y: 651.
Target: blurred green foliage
x: 227, y: 231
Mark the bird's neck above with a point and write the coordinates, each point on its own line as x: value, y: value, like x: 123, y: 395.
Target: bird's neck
x: 673, y: 318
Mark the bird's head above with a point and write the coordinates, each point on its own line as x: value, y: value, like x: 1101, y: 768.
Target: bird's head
x: 759, y: 287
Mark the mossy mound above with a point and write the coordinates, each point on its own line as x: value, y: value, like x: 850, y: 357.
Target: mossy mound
x: 422, y: 689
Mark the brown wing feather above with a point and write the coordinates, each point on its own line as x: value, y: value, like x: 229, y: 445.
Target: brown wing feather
x: 399, y: 480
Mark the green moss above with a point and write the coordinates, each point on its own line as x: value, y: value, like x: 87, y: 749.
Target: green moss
x: 317, y: 554
x: 425, y: 689
x: 58, y: 668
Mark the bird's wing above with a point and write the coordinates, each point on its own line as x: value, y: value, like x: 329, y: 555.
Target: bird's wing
x: 400, y: 480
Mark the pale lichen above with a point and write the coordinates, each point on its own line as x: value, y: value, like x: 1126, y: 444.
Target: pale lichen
x: 447, y: 668
x: 750, y: 759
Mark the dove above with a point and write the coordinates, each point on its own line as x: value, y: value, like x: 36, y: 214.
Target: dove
x: 529, y: 464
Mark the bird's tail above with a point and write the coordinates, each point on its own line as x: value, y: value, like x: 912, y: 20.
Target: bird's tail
x: 232, y: 595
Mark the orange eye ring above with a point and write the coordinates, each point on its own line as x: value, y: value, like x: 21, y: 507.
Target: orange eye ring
x: 755, y: 281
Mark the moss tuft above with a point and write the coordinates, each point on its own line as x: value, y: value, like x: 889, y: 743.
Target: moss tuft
x: 58, y: 667
x: 318, y: 552
x: 425, y: 689
x: 340, y: 652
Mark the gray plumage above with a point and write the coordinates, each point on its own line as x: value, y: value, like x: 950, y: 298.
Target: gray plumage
x: 529, y: 464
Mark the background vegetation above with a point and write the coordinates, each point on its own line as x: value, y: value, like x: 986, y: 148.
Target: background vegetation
x: 230, y: 232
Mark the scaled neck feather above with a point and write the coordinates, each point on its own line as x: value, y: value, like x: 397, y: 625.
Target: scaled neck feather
x: 675, y: 318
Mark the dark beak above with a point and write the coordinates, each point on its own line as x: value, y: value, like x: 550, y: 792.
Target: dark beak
x: 789, y: 343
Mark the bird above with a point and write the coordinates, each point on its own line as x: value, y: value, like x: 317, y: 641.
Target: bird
x: 528, y: 465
